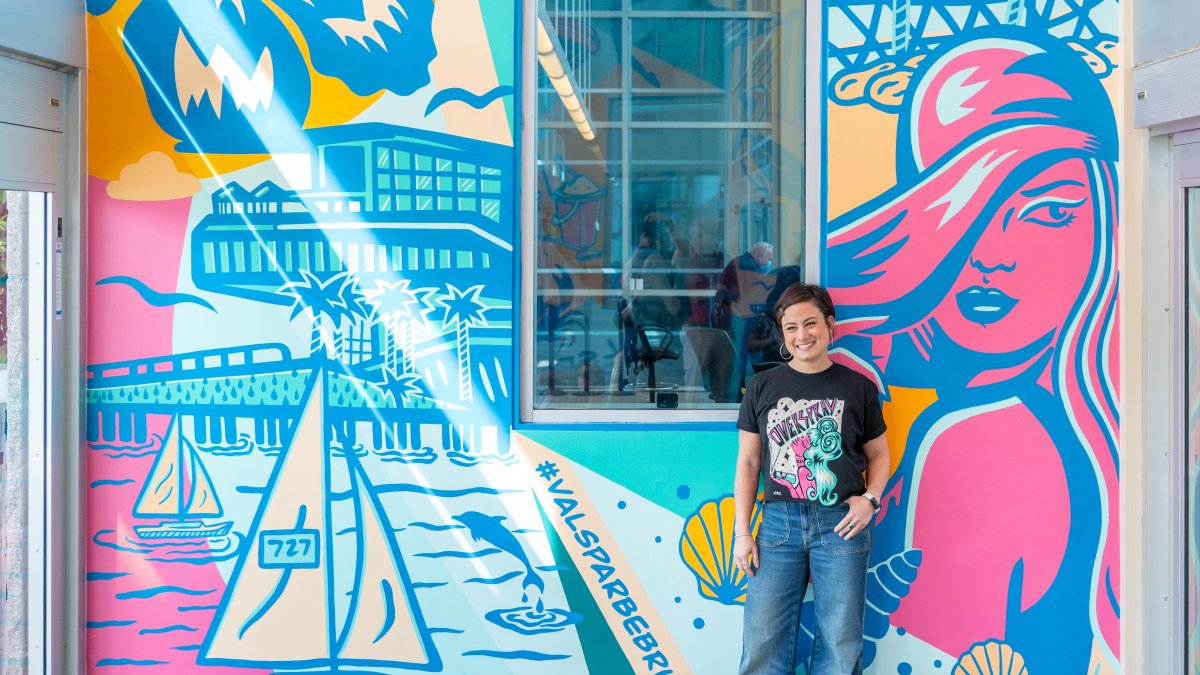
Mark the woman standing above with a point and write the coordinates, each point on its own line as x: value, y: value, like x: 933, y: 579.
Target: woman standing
x: 810, y: 428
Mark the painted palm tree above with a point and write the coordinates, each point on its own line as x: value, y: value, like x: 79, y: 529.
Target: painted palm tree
x: 1014, y: 12
x: 402, y: 387
x: 399, y: 307
x: 353, y: 307
x: 464, y: 310
x: 323, y: 302
x: 901, y: 25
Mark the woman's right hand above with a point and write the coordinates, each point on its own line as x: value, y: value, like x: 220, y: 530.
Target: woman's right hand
x: 745, y: 554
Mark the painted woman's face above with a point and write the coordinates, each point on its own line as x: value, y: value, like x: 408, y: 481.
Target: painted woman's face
x: 1028, y: 268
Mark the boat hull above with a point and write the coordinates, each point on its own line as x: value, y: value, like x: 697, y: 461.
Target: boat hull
x: 183, y: 530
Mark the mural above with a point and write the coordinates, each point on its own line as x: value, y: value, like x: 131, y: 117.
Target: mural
x: 299, y: 422
x: 301, y: 385
x: 978, y: 285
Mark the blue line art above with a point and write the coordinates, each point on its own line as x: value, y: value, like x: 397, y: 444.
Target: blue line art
x: 108, y: 624
x: 477, y: 101
x: 157, y: 298
x: 519, y: 654
x: 166, y: 629
x: 105, y: 576
x: 151, y: 592
x: 100, y: 483
x: 129, y: 662
x: 460, y: 554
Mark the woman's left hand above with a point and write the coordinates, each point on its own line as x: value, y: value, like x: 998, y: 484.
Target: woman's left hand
x: 856, y: 520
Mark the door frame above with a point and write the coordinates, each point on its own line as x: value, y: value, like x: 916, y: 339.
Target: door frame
x: 1173, y: 166
x: 56, y: 552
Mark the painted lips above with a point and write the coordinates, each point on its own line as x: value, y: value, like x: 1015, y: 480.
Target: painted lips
x: 984, y: 305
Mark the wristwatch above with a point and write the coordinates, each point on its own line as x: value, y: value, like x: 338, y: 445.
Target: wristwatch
x: 873, y: 499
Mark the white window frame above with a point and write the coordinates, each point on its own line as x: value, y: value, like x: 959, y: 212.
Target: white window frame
x: 527, y: 210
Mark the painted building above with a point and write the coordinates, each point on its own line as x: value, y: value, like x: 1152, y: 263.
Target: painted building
x: 416, y: 330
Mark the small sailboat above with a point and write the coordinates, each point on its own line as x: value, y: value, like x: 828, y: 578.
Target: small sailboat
x: 283, y: 606
x: 178, y: 487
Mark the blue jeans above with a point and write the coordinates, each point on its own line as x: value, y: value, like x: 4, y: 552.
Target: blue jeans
x: 796, y: 539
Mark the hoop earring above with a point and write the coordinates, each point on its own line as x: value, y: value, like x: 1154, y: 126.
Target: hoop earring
x: 784, y: 353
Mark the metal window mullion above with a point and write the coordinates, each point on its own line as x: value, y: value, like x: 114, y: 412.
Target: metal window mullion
x: 755, y: 126
x: 528, y: 221
x: 685, y: 14
x: 626, y: 144
x: 775, y: 46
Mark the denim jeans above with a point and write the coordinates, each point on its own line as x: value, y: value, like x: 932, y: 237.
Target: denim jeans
x: 796, y: 539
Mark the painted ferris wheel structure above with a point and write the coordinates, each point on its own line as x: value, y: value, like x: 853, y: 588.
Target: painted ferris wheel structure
x: 864, y: 31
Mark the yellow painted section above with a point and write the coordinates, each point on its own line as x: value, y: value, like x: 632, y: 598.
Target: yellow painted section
x: 121, y: 128
x: 861, y: 152
x: 900, y: 412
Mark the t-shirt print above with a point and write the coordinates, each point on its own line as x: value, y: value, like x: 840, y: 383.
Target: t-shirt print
x: 805, y: 437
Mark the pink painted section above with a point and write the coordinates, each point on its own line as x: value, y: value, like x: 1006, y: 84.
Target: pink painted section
x: 978, y: 494
x: 976, y: 87
x: 143, y: 240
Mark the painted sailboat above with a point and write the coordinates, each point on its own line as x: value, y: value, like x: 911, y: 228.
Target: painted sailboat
x: 179, y: 487
x: 284, y: 607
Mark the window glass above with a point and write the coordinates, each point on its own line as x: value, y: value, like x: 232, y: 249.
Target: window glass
x: 14, y: 467
x: 661, y: 229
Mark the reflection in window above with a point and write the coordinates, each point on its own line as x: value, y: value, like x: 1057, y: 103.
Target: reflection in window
x: 669, y: 209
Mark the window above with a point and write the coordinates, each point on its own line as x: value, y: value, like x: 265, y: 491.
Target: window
x: 669, y: 170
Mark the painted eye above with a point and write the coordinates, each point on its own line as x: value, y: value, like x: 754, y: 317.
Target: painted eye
x: 1051, y: 212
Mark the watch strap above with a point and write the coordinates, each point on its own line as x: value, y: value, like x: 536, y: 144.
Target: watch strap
x: 873, y: 499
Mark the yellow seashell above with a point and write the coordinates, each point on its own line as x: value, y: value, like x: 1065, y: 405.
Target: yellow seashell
x: 990, y: 658
x: 706, y: 547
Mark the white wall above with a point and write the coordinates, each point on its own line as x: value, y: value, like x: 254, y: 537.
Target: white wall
x: 1166, y: 74
x: 46, y: 29
x: 1164, y: 27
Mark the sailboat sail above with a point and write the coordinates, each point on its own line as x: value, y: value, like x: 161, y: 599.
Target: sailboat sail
x: 202, y: 499
x: 178, y: 485
x: 384, y: 619
x: 279, y: 608
x: 278, y: 604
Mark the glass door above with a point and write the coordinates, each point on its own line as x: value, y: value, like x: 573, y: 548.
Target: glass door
x: 24, y: 219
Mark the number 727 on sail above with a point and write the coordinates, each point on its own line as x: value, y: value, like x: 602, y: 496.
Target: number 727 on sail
x: 288, y: 548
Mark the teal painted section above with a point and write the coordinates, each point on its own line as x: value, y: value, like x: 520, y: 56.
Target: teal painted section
x: 502, y: 39
x: 676, y: 471
x: 600, y: 648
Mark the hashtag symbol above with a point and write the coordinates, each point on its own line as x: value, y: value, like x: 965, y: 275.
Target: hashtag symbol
x: 548, y: 470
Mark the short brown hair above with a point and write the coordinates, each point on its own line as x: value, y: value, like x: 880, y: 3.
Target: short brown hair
x: 804, y: 292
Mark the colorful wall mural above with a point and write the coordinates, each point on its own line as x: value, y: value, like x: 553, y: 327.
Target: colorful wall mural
x: 976, y: 278
x: 301, y: 353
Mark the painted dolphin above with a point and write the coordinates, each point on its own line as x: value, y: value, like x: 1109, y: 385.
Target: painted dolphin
x: 489, y: 529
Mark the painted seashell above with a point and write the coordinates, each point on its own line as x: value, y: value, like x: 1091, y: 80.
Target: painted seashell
x: 887, y: 583
x: 706, y: 547
x: 990, y: 658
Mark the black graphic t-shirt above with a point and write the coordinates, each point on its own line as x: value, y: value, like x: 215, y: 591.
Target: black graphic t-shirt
x: 813, y: 427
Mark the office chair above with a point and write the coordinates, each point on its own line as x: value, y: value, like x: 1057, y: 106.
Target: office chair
x: 655, y: 343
